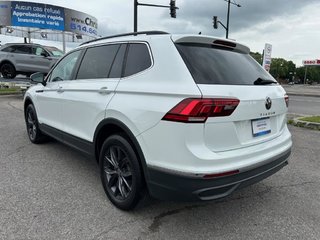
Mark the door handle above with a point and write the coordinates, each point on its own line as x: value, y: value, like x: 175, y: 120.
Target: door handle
x: 104, y: 90
x: 60, y: 90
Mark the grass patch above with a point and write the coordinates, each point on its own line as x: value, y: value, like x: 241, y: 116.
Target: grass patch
x: 9, y: 90
x: 315, y: 119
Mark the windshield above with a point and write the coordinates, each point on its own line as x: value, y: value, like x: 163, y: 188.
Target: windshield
x: 55, y: 52
x: 212, y: 65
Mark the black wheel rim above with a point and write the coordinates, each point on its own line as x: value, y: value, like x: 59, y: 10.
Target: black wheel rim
x: 31, y: 125
x: 118, y: 172
x: 6, y: 71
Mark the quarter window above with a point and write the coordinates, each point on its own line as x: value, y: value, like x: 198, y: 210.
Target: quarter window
x: 64, y: 69
x: 138, y: 59
x: 9, y: 49
x: 97, y: 62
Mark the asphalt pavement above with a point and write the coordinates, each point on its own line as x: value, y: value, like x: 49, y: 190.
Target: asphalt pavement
x: 304, y: 105
x: 50, y: 191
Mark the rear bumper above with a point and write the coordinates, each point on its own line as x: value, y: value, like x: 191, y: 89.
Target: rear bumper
x: 175, y: 186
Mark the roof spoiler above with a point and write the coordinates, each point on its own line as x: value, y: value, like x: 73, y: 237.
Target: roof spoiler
x: 212, y: 41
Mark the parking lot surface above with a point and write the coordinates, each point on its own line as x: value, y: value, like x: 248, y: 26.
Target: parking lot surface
x: 50, y: 191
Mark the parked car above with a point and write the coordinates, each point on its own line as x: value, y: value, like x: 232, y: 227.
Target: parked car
x: 181, y: 117
x: 24, y: 58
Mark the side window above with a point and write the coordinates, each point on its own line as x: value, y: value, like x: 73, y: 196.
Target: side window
x: 97, y: 62
x: 116, y: 70
x: 138, y: 59
x: 9, y: 49
x: 23, y: 49
x: 64, y: 69
x: 39, y: 51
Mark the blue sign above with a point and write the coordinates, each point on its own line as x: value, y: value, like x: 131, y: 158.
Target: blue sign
x: 37, y: 15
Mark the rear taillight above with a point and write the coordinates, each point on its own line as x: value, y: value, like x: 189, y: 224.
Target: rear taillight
x: 286, y: 99
x: 197, y: 110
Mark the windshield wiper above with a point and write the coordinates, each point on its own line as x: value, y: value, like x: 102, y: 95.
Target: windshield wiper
x: 261, y: 81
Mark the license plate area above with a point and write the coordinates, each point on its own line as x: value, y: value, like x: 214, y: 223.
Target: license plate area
x: 260, y: 127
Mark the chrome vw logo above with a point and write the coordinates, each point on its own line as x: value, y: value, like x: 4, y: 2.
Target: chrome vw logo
x: 268, y: 103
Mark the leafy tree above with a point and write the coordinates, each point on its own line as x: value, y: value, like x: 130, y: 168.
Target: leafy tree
x: 286, y: 71
x: 257, y: 56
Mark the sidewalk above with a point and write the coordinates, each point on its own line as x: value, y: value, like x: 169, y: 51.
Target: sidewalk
x: 303, y: 90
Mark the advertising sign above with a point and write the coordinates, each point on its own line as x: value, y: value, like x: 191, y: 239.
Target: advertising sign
x: 80, y: 23
x: 45, y: 16
x: 27, y: 14
x: 315, y: 62
x: 5, y: 13
x: 267, y: 57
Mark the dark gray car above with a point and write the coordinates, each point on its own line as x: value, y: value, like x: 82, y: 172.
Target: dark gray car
x: 24, y: 58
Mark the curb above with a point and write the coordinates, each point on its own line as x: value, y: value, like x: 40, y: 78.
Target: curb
x: 305, y: 124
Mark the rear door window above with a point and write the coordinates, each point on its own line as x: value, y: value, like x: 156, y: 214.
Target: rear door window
x: 23, y: 49
x: 211, y: 65
x: 138, y: 59
x: 97, y: 62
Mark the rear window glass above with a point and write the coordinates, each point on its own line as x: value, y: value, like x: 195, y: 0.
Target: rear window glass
x: 210, y: 65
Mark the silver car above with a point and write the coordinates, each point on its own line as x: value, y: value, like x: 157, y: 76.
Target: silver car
x: 26, y: 58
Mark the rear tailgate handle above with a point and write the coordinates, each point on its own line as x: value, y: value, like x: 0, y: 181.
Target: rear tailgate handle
x: 104, y: 90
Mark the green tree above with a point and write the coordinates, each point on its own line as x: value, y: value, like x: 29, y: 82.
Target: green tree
x: 257, y: 56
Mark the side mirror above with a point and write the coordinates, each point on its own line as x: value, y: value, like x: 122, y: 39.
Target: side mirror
x: 38, y: 78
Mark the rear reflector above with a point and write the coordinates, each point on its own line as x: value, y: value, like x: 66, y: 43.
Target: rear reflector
x: 197, y: 110
x: 286, y: 99
x: 217, y: 175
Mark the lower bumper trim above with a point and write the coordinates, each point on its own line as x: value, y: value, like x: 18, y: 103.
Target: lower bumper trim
x: 169, y: 186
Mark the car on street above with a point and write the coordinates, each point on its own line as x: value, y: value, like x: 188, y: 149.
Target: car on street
x: 27, y: 58
x: 179, y: 117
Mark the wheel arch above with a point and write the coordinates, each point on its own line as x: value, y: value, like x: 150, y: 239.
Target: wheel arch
x: 7, y: 61
x: 110, y: 126
x: 27, y: 101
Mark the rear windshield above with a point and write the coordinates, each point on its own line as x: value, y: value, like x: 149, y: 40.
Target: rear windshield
x: 210, y: 65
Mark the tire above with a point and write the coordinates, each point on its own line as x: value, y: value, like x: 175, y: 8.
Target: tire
x: 8, y: 70
x: 120, y: 173
x: 34, y: 133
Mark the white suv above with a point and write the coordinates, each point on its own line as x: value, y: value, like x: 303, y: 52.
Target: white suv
x: 186, y: 117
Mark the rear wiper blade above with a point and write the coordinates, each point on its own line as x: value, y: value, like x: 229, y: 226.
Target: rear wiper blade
x: 261, y: 81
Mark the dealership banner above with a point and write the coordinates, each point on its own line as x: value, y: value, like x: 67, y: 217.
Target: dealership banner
x: 267, y: 57
x: 45, y: 16
x: 315, y: 62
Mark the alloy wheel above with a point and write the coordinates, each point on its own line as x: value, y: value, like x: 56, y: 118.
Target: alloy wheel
x: 118, y: 172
